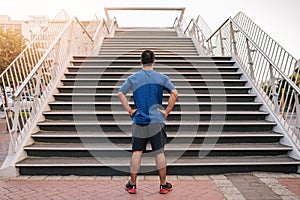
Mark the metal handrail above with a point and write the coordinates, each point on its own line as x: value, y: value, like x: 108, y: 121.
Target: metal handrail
x: 84, y: 29
x: 278, y: 90
x: 32, y: 76
x: 218, y: 29
x: 194, y: 31
x: 188, y: 26
x: 93, y: 25
x: 266, y: 41
x: 39, y: 64
x: 284, y: 76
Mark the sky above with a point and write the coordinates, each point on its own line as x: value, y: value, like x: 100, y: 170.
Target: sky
x: 279, y: 18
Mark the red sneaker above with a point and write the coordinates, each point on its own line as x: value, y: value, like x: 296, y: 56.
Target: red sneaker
x: 131, y: 189
x: 164, y: 189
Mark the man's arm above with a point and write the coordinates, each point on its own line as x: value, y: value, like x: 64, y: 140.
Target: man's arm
x: 125, y: 104
x: 171, y: 102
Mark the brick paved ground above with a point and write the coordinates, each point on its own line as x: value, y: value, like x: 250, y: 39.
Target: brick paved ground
x: 81, y: 189
x: 228, y: 186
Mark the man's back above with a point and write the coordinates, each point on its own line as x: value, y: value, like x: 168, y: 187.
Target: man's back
x: 147, y: 87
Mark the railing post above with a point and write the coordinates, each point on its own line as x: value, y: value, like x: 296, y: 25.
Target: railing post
x: 210, y: 48
x: 15, y: 123
x: 221, y: 43
x: 232, y: 32
x: 37, y: 89
x: 273, y: 87
x: 296, y: 95
x: 250, y: 61
x: 55, y: 61
x: 70, y: 40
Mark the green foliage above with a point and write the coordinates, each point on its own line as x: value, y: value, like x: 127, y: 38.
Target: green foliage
x: 11, y: 45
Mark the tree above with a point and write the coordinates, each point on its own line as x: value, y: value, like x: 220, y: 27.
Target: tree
x: 11, y: 45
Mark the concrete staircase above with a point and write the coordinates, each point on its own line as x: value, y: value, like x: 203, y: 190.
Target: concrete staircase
x: 216, y: 126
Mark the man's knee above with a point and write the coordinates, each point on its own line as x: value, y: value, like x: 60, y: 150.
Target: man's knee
x: 137, y: 152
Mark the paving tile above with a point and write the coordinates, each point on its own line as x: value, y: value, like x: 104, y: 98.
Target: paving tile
x: 292, y: 184
x: 103, y: 178
x: 218, y: 177
x: 172, y: 177
x: 201, y: 178
x: 37, y: 177
x: 53, y: 178
x: 70, y: 178
x: 140, y: 178
x: 22, y: 177
x: 152, y: 178
x: 87, y: 178
x: 185, y: 178
x: 290, y: 198
x: 120, y: 178
x: 223, y: 183
x: 251, y: 187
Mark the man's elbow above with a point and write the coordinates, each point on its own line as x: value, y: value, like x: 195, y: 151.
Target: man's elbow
x: 120, y: 94
x: 174, y: 93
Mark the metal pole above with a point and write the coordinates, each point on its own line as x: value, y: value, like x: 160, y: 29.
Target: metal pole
x: 275, y: 95
x: 221, y: 43
x: 250, y: 61
x: 296, y: 95
x: 232, y: 32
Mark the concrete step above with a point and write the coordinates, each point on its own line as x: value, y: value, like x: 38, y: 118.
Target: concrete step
x: 121, y: 125
x: 104, y: 97
x: 145, y: 33
x: 146, y: 39
x: 157, y: 58
x: 162, y: 69
x: 105, y: 166
x: 175, y: 115
x: 156, y: 42
x: 149, y: 45
x: 181, y: 89
x: 157, y: 53
x: 172, y: 137
x: 184, y: 106
x: 171, y: 149
x: 174, y: 76
x: 153, y: 48
x: 160, y: 62
x: 205, y: 80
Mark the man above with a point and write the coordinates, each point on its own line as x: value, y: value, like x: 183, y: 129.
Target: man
x: 148, y: 117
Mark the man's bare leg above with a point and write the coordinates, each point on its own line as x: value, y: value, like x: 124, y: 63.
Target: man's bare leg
x: 161, y: 167
x: 135, y: 164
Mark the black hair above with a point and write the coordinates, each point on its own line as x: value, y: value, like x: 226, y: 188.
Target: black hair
x: 147, y: 57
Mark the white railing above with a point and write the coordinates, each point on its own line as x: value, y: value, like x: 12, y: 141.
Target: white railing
x: 93, y: 25
x: 197, y: 29
x: 27, y: 82
x: 267, y: 64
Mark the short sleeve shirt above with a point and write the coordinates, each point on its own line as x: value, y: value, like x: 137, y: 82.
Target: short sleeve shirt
x: 148, y: 87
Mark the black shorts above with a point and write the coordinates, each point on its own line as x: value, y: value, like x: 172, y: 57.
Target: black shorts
x: 156, y: 133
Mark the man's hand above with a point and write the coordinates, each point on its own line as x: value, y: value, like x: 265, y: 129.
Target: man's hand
x: 171, y: 103
x: 132, y: 111
x: 125, y: 104
x: 163, y: 112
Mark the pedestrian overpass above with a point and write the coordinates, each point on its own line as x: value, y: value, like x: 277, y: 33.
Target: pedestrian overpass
x: 237, y: 110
